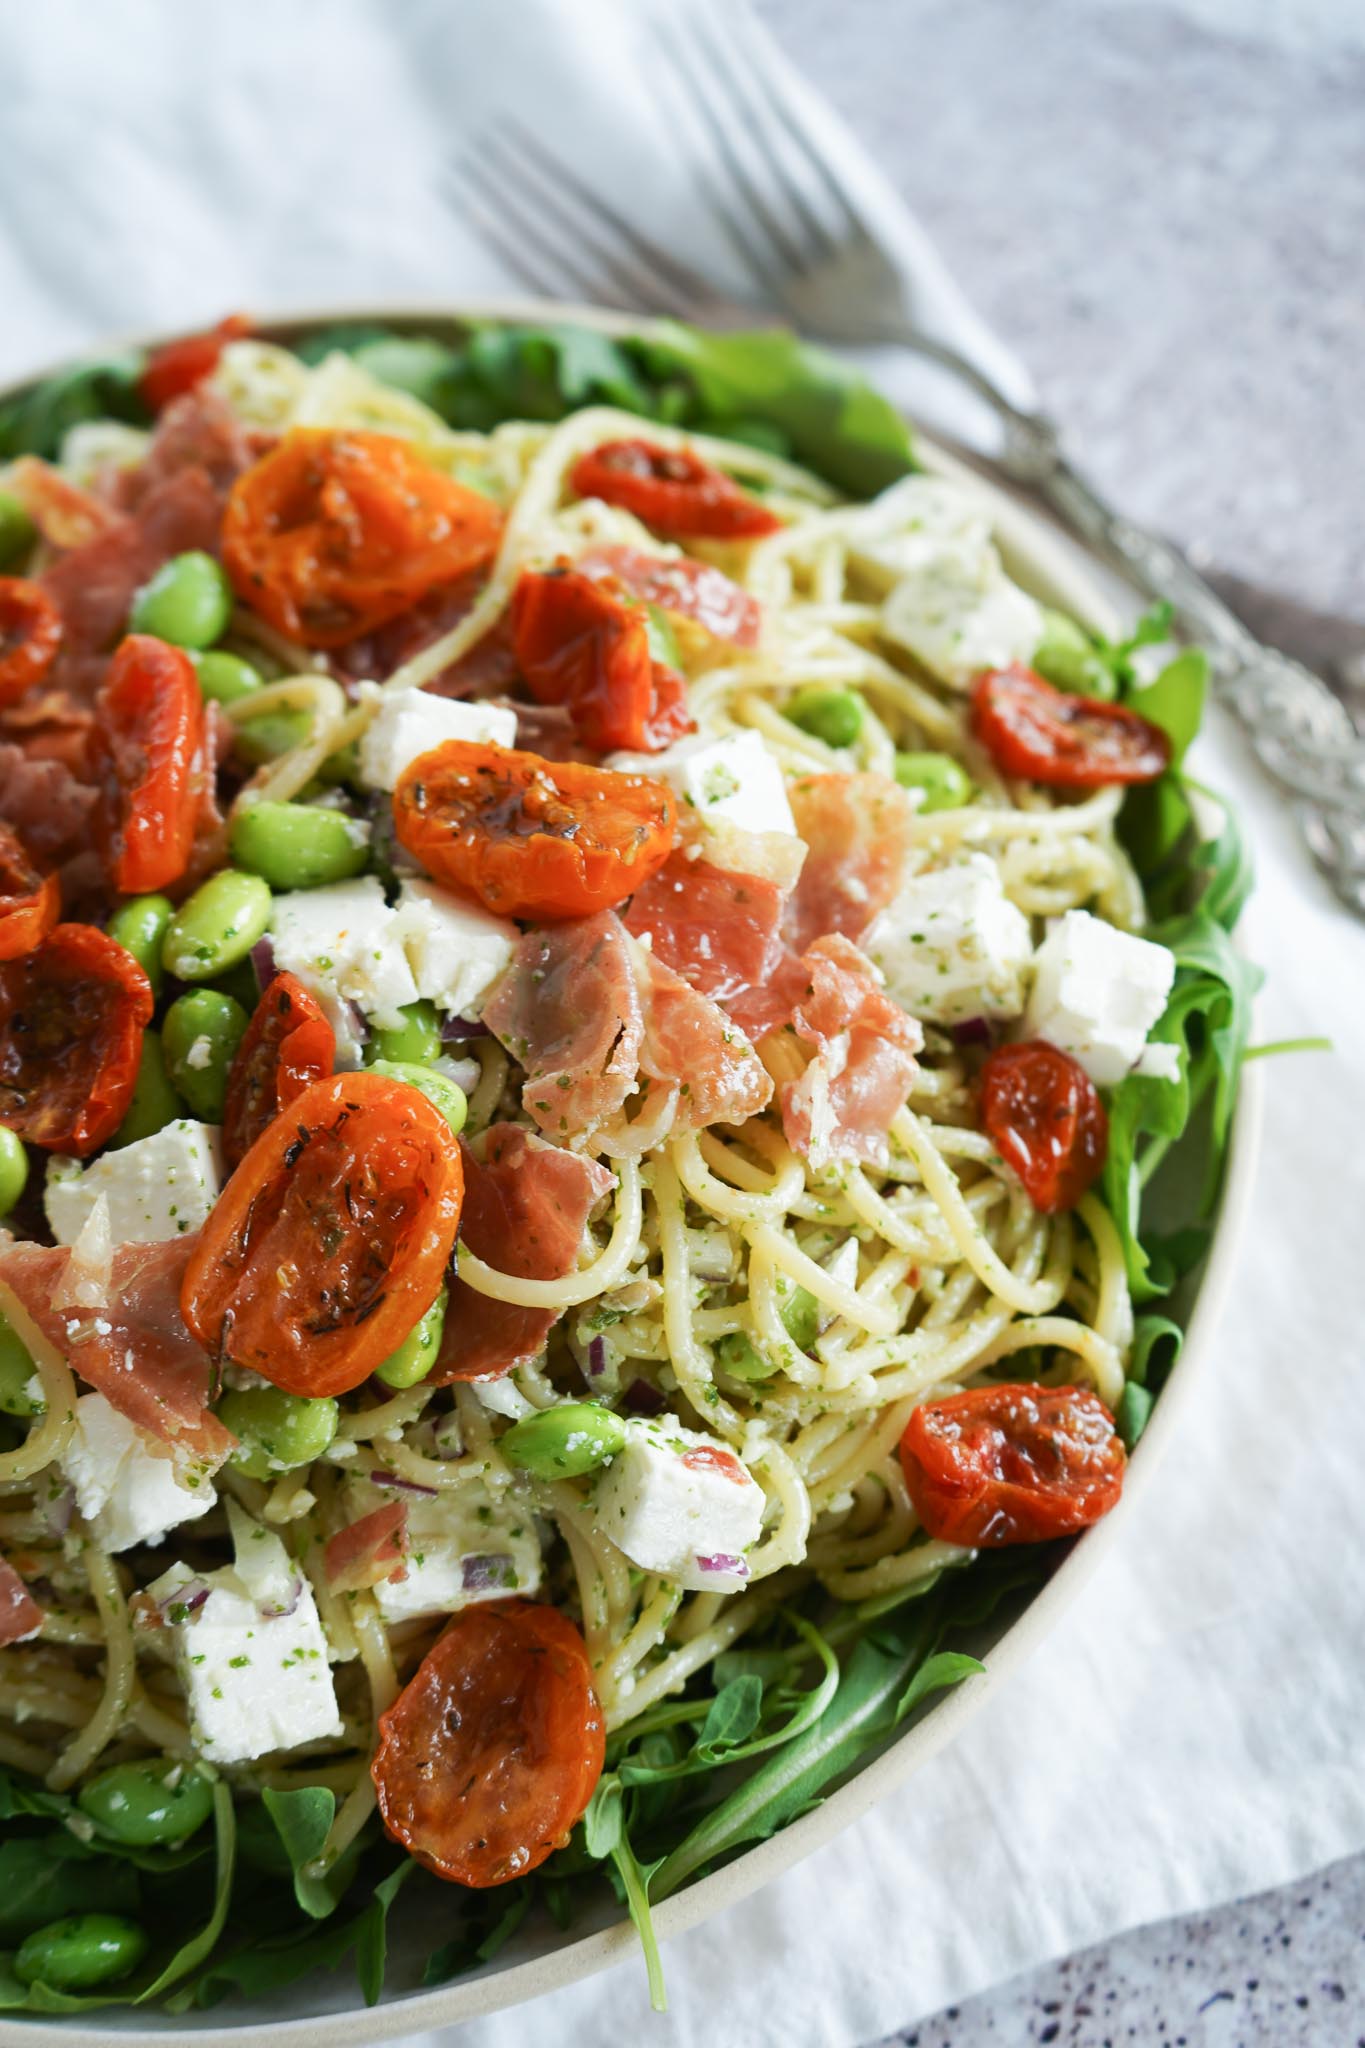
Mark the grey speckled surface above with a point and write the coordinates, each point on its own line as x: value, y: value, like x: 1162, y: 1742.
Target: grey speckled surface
x: 1163, y: 209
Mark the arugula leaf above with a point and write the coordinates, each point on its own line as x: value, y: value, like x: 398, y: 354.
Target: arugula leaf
x: 480, y: 1939
x: 372, y: 1934
x: 732, y: 1716
x: 39, y: 419
x: 303, y: 1819
x: 936, y: 1674
x: 1132, y: 1413
x: 46, y: 1877
x: 605, y: 1837
x: 200, y: 1946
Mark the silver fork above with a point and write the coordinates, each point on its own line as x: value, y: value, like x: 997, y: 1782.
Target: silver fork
x: 803, y: 233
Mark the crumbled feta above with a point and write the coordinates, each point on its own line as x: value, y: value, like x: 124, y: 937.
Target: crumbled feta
x: 160, y: 1187
x: 681, y: 1504
x: 126, y: 1488
x: 731, y: 781
x: 252, y: 1657
x: 1097, y: 992
x: 412, y: 722
x: 455, y: 949
x: 952, y: 945
x: 343, y: 943
x: 911, y: 523
x: 464, y: 1546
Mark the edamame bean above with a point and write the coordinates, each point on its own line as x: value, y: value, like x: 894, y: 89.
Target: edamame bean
x: 416, y: 1355
x: 271, y: 734
x: 741, y: 1358
x: 217, y: 926
x: 155, y: 1102
x: 200, y: 1037
x: 76, y: 1954
x: 1066, y: 656
x: 148, y: 1804
x: 413, y: 1042
x: 945, y: 783
x: 188, y: 602
x: 276, y: 1432
x: 800, y: 1313
x: 139, y: 926
x: 299, y: 846
x: 226, y: 678
x: 20, y: 1386
x: 448, y: 1097
x: 13, y: 1168
x: 563, y: 1441
x: 17, y: 532
x: 834, y: 716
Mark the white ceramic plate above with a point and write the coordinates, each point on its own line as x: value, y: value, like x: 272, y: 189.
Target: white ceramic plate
x: 326, y: 2012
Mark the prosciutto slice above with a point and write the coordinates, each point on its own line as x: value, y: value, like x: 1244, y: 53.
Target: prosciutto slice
x: 718, y: 930
x: 526, y: 1206
x: 20, y: 1614
x: 865, y: 1045
x: 368, y: 1551
x: 691, y: 1045
x: 569, y: 1010
x: 129, y: 1342
x: 857, y: 829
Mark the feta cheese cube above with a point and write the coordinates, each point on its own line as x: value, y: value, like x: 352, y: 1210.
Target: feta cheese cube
x: 456, y: 949
x: 343, y: 943
x: 466, y: 1545
x: 249, y: 1650
x: 730, y: 781
x: 680, y: 1504
x: 952, y: 945
x: 1097, y: 992
x: 412, y: 722
x: 158, y: 1188
x: 912, y: 522
x: 126, y: 1489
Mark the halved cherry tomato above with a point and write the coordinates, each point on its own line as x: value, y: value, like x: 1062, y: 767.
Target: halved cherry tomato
x: 178, y: 366
x: 671, y: 490
x: 333, y: 533
x: 694, y: 590
x: 493, y: 1749
x: 331, y: 1239
x: 1046, y: 735
x: 578, y: 644
x: 30, y: 634
x: 529, y: 837
x: 30, y: 902
x: 1012, y: 1464
x: 148, y: 754
x: 289, y: 1044
x: 72, y: 1015
x: 1041, y: 1112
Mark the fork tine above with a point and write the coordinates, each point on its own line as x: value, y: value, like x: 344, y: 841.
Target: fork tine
x: 554, y: 214
x: 507, y: 222
x: 777, y: 100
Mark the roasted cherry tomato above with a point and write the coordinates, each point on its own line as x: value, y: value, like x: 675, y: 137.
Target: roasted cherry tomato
x: 30, y: 902
x: 1042, y: 734
x: 1011, y: 1464
x: 288, y: 1045
x: 333, y: 533
x: 148, y: 754
x: 30, y: 634
x: 578, y: 643
x: 178, y: 366
x: 331, y: 1239
x: 671, y: 490
x: 1041, y: 1112
x: 692, y: 590
x: 72, y: 1015
x: 493, y: 1749
x: 529, y: 837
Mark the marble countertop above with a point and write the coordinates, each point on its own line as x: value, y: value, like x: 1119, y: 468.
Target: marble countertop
x: 1163, y: 208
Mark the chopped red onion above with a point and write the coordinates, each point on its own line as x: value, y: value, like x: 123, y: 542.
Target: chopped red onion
x: 455, y: 1030
x: 263, y: 960
x: 642, y: 1399
x: 399, y: 1484
x: 973, y: 1031
x: 277, y: 1610
x: 597, y: 1357
x: 56, y: 1511
x: 723, y: 1561
x: 186, y: 1599
x: 493, y: 1571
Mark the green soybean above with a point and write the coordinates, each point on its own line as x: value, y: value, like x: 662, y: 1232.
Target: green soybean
x: 155, y: 1102
x: 276, y: 1431
x: 834, y: 716
x: 414, y: 1042
x: 77, y: 1954
x: 217, y: 926
x: 200, y: 1037
x: 188, y: 602
x: 148, y: 1804
x: 416, y: 1355
x: 800, y: 1313
x: 1066, y: 656
x: 741, y: 1358
x: 13, y: 1168
x: 226, y: 678
x: 299, y: 846
x: 18, y: 1374
x: 139, y: 926
x: 438, y: 1088
x: 945, y: 783
x: 17, y: 532
x: 560, y: 1442
x: 270, y: 734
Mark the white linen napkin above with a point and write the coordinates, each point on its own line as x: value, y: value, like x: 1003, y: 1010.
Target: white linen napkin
x: 1193, y: 1728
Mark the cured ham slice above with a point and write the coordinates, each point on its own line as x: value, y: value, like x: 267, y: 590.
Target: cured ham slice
x: 691, y: 1045
x: 121, y: 1331
x: 44, y: 803
x: 20, y: 1614
x: 526, y: 1206
x: 857, y: 829
x: 568, y: 1009
x: 865, y: 1045
x: 368, y: 1551
x: 718, y: 930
